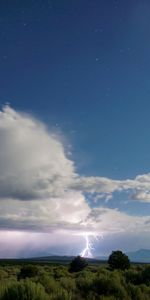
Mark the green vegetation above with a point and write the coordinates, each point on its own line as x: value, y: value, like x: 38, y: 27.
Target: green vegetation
x: 78, y: 264
x: 35, y: 281
x: 118, y: 260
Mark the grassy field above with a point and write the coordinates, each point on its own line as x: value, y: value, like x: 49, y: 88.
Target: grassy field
x: 32, y: 280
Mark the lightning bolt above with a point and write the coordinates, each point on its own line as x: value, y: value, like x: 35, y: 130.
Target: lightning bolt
x: 87, y: 251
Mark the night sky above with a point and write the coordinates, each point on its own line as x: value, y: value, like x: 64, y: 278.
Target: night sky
x: 74, y: 126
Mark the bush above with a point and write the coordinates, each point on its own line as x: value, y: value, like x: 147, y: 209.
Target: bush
x: 28, y: 271
x: 146, y: 275
x: 133, y: 277
x: 54, y: 282
x: 3, y: 274
x: 61, y: 295
x: 25, y: 290
x: 107, y: 298
x: 135, y: 292
x: 50, y: 284
x: 84, y: 285
x: 78, y: 264
x: 109, y: 287
x: 60, y: 271
x: 118, y: 260
x: 68, y: 283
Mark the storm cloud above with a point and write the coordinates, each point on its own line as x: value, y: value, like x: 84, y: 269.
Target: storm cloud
x: 40, y: 190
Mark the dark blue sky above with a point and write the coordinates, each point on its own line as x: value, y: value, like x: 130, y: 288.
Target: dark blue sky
x: 83, y: 68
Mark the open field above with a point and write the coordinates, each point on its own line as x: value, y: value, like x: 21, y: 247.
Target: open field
x: 42, y: 280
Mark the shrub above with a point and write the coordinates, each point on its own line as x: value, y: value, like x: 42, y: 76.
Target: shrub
x: 3, y: 274
x: 78, y: 264
x: 61, y: 295
x: 84, y: 285
x: 109, y: 287
x: 146, y: 275
x: 3, y: 287
x: 132, y: 276
x: 68, y: 283
x: 135, y: 292
x: 25, y: 290
x: 60, y: 271
x: 108, y: 298
x: 50, y: 284
x: 54, y: 282
x: 28, y: 271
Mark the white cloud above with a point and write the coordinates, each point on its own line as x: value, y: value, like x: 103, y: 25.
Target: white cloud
x: 112, y: 221
x: 139, y: 187
x: 34, y: 168
x: 102, y: 186
x: 32, y: 161
x: 41, y: 191
x: 44, y: 215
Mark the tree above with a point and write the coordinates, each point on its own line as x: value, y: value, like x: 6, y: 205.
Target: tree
x: 78, y: 264
x: 118, y: 260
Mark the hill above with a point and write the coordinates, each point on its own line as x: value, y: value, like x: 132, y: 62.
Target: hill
x: 142, y: 255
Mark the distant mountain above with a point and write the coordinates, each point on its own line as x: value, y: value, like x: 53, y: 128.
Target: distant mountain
x: 102, y: 258
x: 142, y: 255
x: 59, y: 259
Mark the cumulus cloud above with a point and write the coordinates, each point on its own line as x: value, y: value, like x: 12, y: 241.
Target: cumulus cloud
x: 32, y: 162
x: 35, y: 176
x: 40, y: 189
x: 103, y: 187
x: 139, y: 187
x: 113, y: 221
